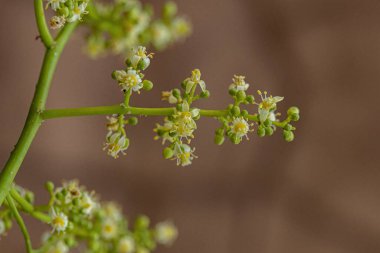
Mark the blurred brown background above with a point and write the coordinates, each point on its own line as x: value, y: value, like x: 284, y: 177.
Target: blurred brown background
x: 317, y: 194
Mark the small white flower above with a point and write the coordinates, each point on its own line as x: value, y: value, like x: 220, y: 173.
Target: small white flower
x: 78, y: 11
x: 126, y: 245
x: 109, y: 228
x: 59, y: 221
x: 166, y: 233
x: 57, y: 22
x: 240, y: 127
x: 129, y: 79
x: 183, y: 154
x: 60, y: 247
x: 113, y: 211
x: 88, y: 204
x: 161, y: 35
x: 267, y: 106
x: 116, y: 143
x: 140, y: 54
x: 239, y: 83
x: 55, y: 4
x: 2, y: 227
x: 113, y: 123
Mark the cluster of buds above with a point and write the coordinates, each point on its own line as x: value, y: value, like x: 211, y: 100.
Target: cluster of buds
x: 66, y: 11
x: 78, y: 218
x: 124, y: 24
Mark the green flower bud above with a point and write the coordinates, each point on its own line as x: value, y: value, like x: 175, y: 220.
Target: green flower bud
x: 235, y: 111
x: 219, y: 131
x: 288, y: 127
x: 49, y: 186
x: 64, y: 11
x: 142, y: 222
x: 76, y: 202
x: 267, y: 122
x: 261, y: 131
x: 234, y: 138
x: 94, y: 245
x: 219, y: 139
x: 114, y: 74
x: 128, y: 62
x: 133, y: 121
x: 179, y: 107
x: 169, y: 10
x: 29, y: 196
x: 244, y: 113
x: 288, y: 135
x: 293, y: 110
x: 70, y: 241
x: 240, y: 95
x: 168, y: 153
x: 295, y: 117
x: 59, y: 196
x: 269, y: 131
x: 176, y: 93
x: 250, y: 99
x: 147, y: 85
x: 229, y: 107
x: 205, y: 94
x: 232, y: 92
x: 143, y: 64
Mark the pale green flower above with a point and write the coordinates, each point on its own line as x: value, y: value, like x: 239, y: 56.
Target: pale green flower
x: 166, y: 233
x: 183, y: 154
x: 240, y: 127
x: 60, y: 247
x: 109, y: 228
x: 59, y: 221
x: 116, y: 143
x: 77, y: 12
x: 239, y: 83
x: 126, y: 245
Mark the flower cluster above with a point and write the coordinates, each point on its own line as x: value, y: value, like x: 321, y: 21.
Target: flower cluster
x: 179, y: 127
x: 124, y: 24
x: 78, y: 218
x: 66, y: 11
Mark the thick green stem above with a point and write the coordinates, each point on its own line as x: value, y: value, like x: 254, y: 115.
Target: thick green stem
x: 21, y: 224
x: 34, y: 120
x: 43, y: 29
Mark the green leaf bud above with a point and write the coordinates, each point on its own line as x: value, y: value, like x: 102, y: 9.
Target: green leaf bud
x: 219, y: 139
x: 205, y: 94
x: 235, y: 111
x: 147, y: 85
x: 269, y: 131
x: 288, y: 135
x: 240, y: 95
x: 133, y: 121
x: 167, y: 153
x: 250, y: 99
x: 261, y: 131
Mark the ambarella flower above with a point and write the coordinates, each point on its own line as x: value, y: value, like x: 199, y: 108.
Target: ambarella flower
x: 267, y: 106
x: 166, y: 233
x: 194, y: 80
x: 116, y: 143
x: 88, y: 204
x: 161, y: 35
x: 113, y: 211
x: 2, y: 227
x: 140, y: 57
x: 109, y: 228
x: 183, y: 154
x: 184, y: 124
x: 129, y: 79
x: 57, y: 22
x: 240, y: 127
x: 77, y: 12
x: 59, y: 221
x: 168, y: 96
x: 60, y: 247
x: 239, y: 83
x: 55, y: 4
x: 126, y: 245
x: 113, y: 123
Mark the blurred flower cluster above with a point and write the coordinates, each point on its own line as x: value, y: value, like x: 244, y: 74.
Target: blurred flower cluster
x: 66, y: 11
x: 118, y: 26
x: 78, y: 218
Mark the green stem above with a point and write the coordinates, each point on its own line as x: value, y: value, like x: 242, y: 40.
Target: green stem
x: 29, y: 208
x: 21, y: 224
x: 127, y: 98
x: 45, y: 35
x: 34, y: 120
